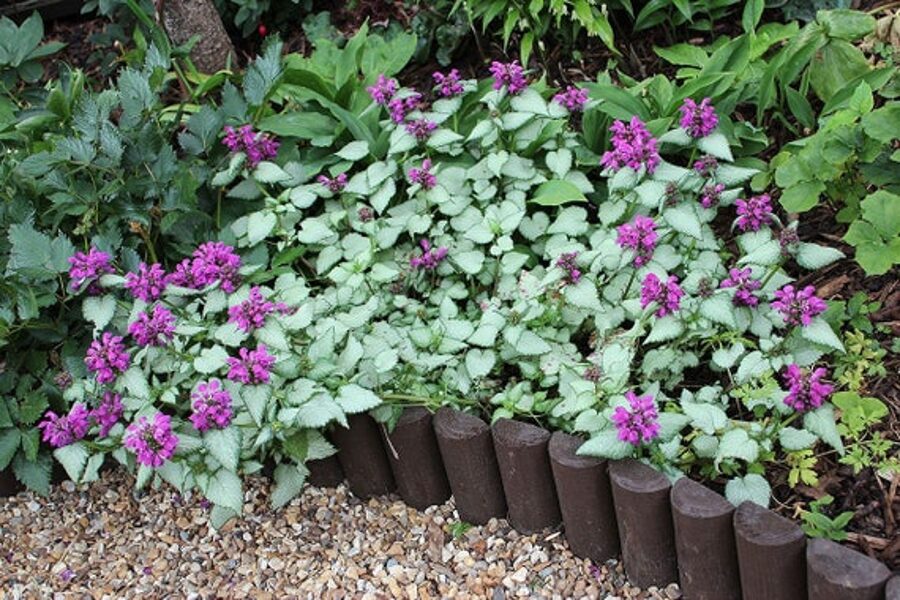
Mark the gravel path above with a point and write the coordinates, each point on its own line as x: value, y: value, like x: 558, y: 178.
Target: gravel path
x: 100, y: 542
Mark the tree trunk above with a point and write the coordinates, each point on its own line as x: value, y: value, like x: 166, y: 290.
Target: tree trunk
x: 183, y: 19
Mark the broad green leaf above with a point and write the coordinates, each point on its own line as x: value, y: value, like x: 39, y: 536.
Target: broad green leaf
x: 793, y: 439
x: 289, y: 481
x: 354, y: 399
x: 606, y: 444
x: 822, y: 423
x: 225, y: 490
x: 73, y: 458
x: 749, y: 488
x: 99, y: 310
x: 820, y: 332
x: 224, y: 445
x: 557, y: 192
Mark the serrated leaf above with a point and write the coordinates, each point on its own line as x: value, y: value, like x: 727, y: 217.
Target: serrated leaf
x: 749, y: 488
x: 259, y: 226
x: 211, y: 360
x: 664, y: 328
x: 814, y: 256
x: 479, y: 362
x: 530, y: 344
x: 606, y: 444
x: 354, y: 150
x: 135, y: 382
x: 717, y: 145
x: 99, y: 310
x: 683, y: 219
x: 720, y: 309
x: 820, y: 332
x: 289, y: 481
x: 355, y: 399
x: 822, y: 423
x: 35, y: 475
x: 225, y: 490
x: 736, y: 443
x: 793, y: 439
x: 224, y: 445
x: 73, y: 458
x: 256, y: 399
x: 9, y: 443
x: 706, y: 417
x: 318, y: 412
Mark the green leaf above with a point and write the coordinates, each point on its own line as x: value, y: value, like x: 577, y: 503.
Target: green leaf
x: 219, y: 515
x: 319, y: 411
x: 256, y: 399
x: 73, y: 458
x: 720, y: 309
x: 289, y: 481
x: 556, y: 193
x: 479, y: 362
x: 470, y: 261
x: 882, y: 210
x: 225, y: 490
x: 834, y: 66
x: 99, y: 310
x: 664, y: 328
x: 717, y: 145
x: 606, y: 444
x: 706, y: 417
x: 822, y: 423
x: 135, y: 382
x: 753, y: 10
x: 259, y: 226
x: 9, y: 443
x: 582, y: 295
x: 683, y: 219
x: 813, y: 256
x: 793, y: 439
x: 269, y: 172
x: 753, y: 365
x: 736, y: 443
x: 820, y: 332
x: 224, y: 445
x: 211, y: 360
x: 355, y: 399
x: 802, y: 196
x: 35, y: 475
x: 354, y: 150
x: 749, y: 488
x: 530, y: 344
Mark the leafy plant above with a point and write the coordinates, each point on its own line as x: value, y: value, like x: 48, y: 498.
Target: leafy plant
x: 862, y: 361
x: 817, y: 524
x: 802, y: 464
x: 21, y: 50
x: 865, y: 448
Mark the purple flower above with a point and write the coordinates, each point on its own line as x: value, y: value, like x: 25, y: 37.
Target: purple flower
x: 257, y: 146
x: 108, y: 413
x: 211, y: 262
x: 566, y: 261
x: 252, y: 312
x: 423, y: 176
x: 667, y: 295
x: 106, y: 356
x: 510, y: 75
x: 806, y: 390
x: 706, y: 165
x: 573, y: 98
x: 400, y: 107
x: 62, y: 431
x: 698, y: 120
x: 212, y: 406
x: 798, y: 307
x: 383, y: 90
x: 365, y: 214
x: 640, y: 236
x: 335, y: 185
x: 633, y: 147
x: 148, y: 284
x: 251, y: 366
x: 431, y: 257
x: 152, y: 442
x: 788, y: 240
x: 421, y: 129
x: 754, y: 212
x: 742, y: 279
x: 153, y: 329
x: 640, y: 423
x: 450, y: 84
x: 710, y: 195
x: 87, y: 268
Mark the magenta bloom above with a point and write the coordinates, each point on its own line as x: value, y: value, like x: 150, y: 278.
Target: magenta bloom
x: 431, y: 257
x: 699, y: 120
x: 335, y: 185
x: 257, y: 146
x: 421, y: 129
x: 108, y: 412
x: 711, y: 194
x: 148, y: 284
x: 806, y: 390
x: 383, y: 90
x: 153, y: 328
x: 251, y: 313
x: 211, y: 262
x: 251, y: 366
x: 706, y: 165
x: 87, y: 269
x: 423, y: 176
x: 450, y: 85
x: 640, y: 423
x: 510, y: 75
x: 754, y: 212
x: 640, y: 236
x: 106, y: 357
x: 212, y: 406
x: 742, y: 279
x: 152, y: 442
x: 573, y: 98
x: 566, y: 262
x: 667, y: 295
x: 633, y: 147
x: 798, y: 307
x: 62, y: 431
x: 400, y: 107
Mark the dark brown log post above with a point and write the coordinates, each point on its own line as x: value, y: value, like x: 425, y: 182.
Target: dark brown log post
x: 585, y: 499
x: 527, y: 478
x: 644, y: 515
x: 704, y: 539
x: 362, y: 457
x: 325, y: 472
x: 467, y: 450
x: 184, y: 19
x: 836, y: 572
x: 892, y: 591
x: 771, y: 554
x: 9, y: 485
x: 416, y: 460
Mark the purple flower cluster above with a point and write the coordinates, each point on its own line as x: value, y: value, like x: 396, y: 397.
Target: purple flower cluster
x: 251, y: 313
x: 510, y: 75
x: 806, y: 390
x: 754, y: 212
x: 640, y: 236
x: 667, y: 295
x: 640, y: 423
x: 633, y: 147
x: 61, y: 431
x: 106, y: 357
x: 211, y: 262
x: 573, y: 98
x: 383, y: 90
x: 450, y: 84
x: 421, y: 129
x: 336, y: 184
x: 699, y: 120
x: 251, y: 366
x: 798, y: 307
x: 566, y: 262
x: 706, y: 165
x: 400, y: 107
x: 423, y: 176
x: 257, y: 146
x: 431, y: 257
x: 211, y: 405
x: 152, y: 442
x: 87, y: 269
x: 148, y: 284
x: 108, y: 412
x: 710, y: 195
x: 153, y: 328
x: 742, y: 279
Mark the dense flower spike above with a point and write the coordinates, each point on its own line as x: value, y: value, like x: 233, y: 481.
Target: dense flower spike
x: 667, y: 295
x: 400, y: 107
x: 640, y: 423
x: 106, y: 357
x: 421, y: 129
x: 806, y: 390
x: 153, y: 328
x: 798, y: 307
x: 336, y: 184
x: 251, y: 366
x: 573, y: 98
x: 108, y: 413
x: 510, y: 75
x: 383, y: 90
x: 699, y: 120
x: 148, y: 284
x: 211, y: 405
x: 640, y: 236
x: 423, y: 176
x: 152, y: 442
x: 633, y: 147
x: 754, y: 212
x: 566, y: 262
x: 257, y: 146
x: 212, y: 262
x: 711, y: 194
x: 450, y: 84
x: 251, y: 313
x: 742, y: 279
x: 87, y: 269
x: 706, y: 165
x: 431, y: 257
x: 62, y: 431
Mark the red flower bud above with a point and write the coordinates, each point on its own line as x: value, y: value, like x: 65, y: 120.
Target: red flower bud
x: 262, y: 30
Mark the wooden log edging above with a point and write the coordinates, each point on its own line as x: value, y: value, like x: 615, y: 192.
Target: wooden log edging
x: 415, y: 459
x: 9, y: 485
x: 835, y: 572
x: 362, y: 457
x: 771, y: 553
x: 325, y: 472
